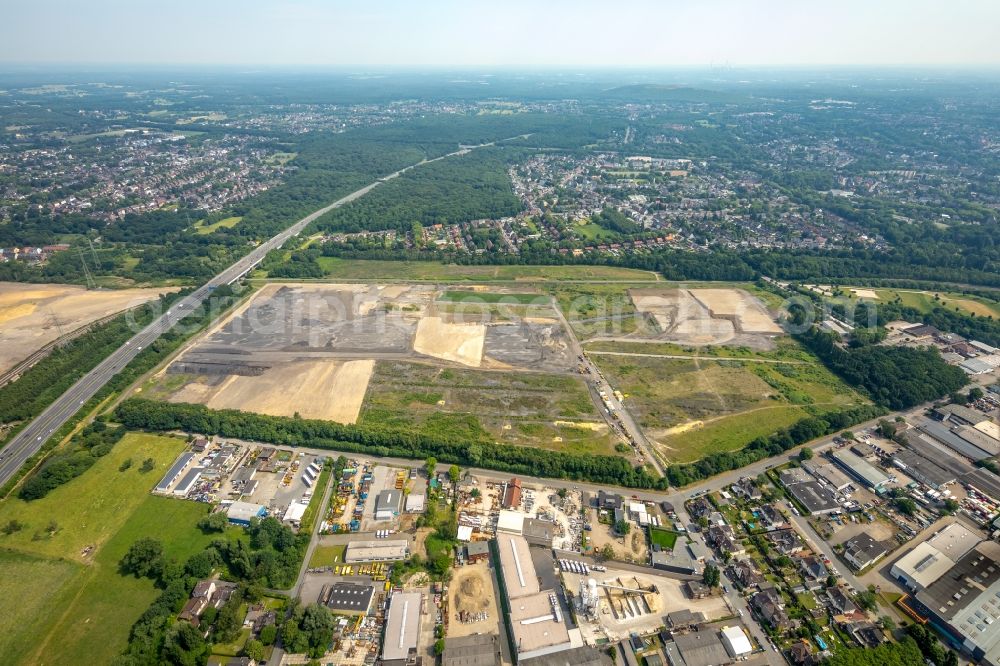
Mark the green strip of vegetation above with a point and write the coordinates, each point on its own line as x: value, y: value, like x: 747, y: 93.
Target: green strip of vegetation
x: 493, y: 297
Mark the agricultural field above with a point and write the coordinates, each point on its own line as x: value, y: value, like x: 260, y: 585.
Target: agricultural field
x: 68, y: 553
x: 361, y: 269
x: 693, y: 403
x: 34, y: 315
x: 521, y: 408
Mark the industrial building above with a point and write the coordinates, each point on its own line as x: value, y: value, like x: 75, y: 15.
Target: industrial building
x: 815, y: 497
x: 538, y: 532
x: 930, y: 559
x: 736, y: 642
x: 512, y: 494
x: 174, y: 472
x: 510, y: 522
x: 387, y: 504
x: 185, y: 485
x: 402, y: 629
x: 347, y: 598
x: 294, y: 512
x: 860, y: 469
x: 535, y: 618
x: 946, y: 434
x: 831, y: 474
x: 923, y: 469
x: 475, y: 650
x: 241, y: 513
x: 964, y: 603
x: 415, y: 503
x: 698, y: 648
x: 377, y: 551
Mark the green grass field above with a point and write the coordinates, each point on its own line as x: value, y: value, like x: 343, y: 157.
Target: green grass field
x: 663, y: 538
x: 92, y: 508
x: 361, y: 269
x: 228, y: 223
x: 79, y: 604
x: 697, y: 406
x: 327, y: 556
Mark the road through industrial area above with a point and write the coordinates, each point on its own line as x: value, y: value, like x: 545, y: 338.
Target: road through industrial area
x: 34, y: 436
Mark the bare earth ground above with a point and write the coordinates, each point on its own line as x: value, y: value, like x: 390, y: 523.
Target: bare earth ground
x: 705, y: 316
x: 322, y: 389
x: 31, y: 316
x: 471, y: 591
x: 461, y: 343
x: 750, y: 315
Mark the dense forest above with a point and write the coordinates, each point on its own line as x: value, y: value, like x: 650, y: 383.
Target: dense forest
x: 896, y: 377
x: 458, y: 189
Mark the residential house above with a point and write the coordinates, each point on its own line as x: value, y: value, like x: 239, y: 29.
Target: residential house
x: 771, y: 608
x: 814, y: 572
x: 839, y: 602
x: 723, y: 539
x: 786, y: 541
x: 700, y: 508
x: 745, y: 574
x: 206, y: 593
x: 863, y: 551
x: 770, y: 518
x: 746, y: 488
x: 697, y: 590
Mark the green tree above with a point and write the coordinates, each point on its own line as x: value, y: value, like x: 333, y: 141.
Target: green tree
x: 623, y: 527
x: 905, y: 505
x: 711, y: 575
x: 454, y: 473
x: 254, y: 649
x: 125, y: 465
x: 148, y: 465
x: 268, y: 634
x: 431, y: 465
x: 142, y: 557
x: 805, y: 453
x: 607, y: 552
x: 975, y: 393
x: 439, y: 646
x: 213, y: 522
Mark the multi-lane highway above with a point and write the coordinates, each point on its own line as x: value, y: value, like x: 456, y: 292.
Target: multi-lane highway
x: 33, y: 437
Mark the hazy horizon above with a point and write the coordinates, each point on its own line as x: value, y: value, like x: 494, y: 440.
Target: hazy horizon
x: 635, y: 34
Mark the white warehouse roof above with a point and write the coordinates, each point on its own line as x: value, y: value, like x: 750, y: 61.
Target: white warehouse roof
x: 510, y: 521
x: 736, y: 641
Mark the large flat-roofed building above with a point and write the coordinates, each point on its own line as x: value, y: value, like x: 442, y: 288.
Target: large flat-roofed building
x: 377, y: 551
x: 831, y: 474
x: 538, y: 532
x: 964, y: 602
x: 174, y: 472
x: 347, y: 597
x: 922, y: 469
x: 736, y: 642
x: 510, y: 522
x: 932, y: 558
x: 921, y: 566
x: 578, y: 656
x: 960, y: 414
x: 945, y: 433
x: 538, y: 625
x: 475, y: 650
x: 698, y: 648
x: 387, y: 504
x: 816, y: 498
x: 859, y: 468
x: 185, y: 485
x: 518, y: 570
x: 241, y: 513
x: 402, y: 629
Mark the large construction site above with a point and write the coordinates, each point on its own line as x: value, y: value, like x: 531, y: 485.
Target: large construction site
x: 705, y: 317
x: 340, y: 351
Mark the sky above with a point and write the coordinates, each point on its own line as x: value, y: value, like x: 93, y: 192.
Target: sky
x: 503, y: 33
